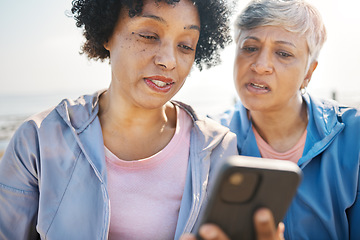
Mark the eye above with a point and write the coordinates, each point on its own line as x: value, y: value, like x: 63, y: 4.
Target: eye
x: 148, y: 36
x: 249, y: 49
x: 185, y: 47
x: 284, y: 54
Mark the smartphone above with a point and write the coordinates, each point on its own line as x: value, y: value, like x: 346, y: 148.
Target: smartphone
x: 244, y: 184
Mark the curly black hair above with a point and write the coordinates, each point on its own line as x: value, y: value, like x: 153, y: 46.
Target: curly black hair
x: 99, y: 17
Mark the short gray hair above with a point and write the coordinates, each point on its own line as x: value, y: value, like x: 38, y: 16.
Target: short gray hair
x: 295, y: 16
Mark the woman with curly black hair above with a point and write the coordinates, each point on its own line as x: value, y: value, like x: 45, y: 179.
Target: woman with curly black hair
x: 99, y: 19
x: 125, y: 162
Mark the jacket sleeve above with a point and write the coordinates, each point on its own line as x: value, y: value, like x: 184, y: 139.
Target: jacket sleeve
x: 354, y: 214
x: 227, y: 148
x: 19, y: 195
x: 351, y: 117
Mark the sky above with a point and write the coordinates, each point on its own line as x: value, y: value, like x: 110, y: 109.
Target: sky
x: 40, y: 44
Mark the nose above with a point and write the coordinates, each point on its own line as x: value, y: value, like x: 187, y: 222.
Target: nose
x: 263, y: 63
x: 165, y: 57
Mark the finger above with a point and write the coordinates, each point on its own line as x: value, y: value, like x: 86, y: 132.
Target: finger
x: 280, y: 231
x: 187, y: 236
x: 264, y: 225
x: 212, y: 232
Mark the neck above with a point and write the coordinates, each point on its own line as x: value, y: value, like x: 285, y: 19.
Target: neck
x: 131, y: 132
x: 114, y: 113
x: 281, y: 129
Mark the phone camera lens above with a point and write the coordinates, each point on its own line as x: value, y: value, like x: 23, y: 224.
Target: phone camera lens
x: 236, y: 179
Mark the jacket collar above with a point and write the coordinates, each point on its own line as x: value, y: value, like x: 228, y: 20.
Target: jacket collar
x: 323, y: 116
x: 214, y: 132
x: 242, y: 126
x: 325, y: 122
x: 81, y: 116
x: 79, y: 113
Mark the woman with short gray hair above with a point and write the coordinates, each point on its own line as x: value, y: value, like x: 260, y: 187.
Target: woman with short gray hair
x: 294, y: 16
x: 278, y: 43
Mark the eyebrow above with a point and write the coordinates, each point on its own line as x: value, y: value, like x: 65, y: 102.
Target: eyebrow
x: 195, y: 27
x: 278, y: 42
x: 157, y: 18
x: 161, y: 20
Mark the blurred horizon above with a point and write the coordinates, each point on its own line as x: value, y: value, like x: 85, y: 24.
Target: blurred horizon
x: 41, y: 64
x: 40, y: 47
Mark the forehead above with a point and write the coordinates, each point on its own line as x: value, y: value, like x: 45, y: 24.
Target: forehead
x: 274, y: 35
x: 182, y: 11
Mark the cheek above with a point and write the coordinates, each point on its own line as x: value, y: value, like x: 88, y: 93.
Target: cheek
x: 239, y: 70
x: 185, y: 64
x: 296, y: 77
x: 289, y: 85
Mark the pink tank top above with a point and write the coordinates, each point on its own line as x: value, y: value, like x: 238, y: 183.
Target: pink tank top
x: 145, y: 195
x: 294, y: 154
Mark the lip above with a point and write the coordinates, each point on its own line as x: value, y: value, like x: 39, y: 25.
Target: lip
x: 258, y: 87
x: 161, y: 78
x: 159, y: 83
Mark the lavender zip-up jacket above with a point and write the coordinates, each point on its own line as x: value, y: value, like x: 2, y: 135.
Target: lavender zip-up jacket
x: 53, y: 178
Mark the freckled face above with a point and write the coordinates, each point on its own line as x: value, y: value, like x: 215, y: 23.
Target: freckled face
x: 152, y: 54
x: 270, y: 67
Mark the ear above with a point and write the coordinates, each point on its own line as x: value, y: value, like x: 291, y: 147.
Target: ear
x: 309, y: 74
x: 106, y: 45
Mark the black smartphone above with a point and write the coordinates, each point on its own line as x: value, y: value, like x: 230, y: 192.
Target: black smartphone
x: 244, y: 184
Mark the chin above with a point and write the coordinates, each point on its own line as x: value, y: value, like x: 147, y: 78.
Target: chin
x: 255, y: 105
x: 152, y: 103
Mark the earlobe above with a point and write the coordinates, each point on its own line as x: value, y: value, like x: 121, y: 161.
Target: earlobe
x: 106, y: 45
x: 305, y: 83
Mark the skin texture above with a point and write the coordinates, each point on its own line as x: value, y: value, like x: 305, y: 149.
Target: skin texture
x: 271, y: 66
x: 159, y: 45
x: 160, y: 42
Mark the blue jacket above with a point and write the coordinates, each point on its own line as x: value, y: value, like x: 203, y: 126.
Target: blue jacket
x: 53, y: 178
x: 327, y: 204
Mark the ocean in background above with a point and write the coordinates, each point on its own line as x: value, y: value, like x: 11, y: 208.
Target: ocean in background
x: 206, y: 100
x: 15, y: 108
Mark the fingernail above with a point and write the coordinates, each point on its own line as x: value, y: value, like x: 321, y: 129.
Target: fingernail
x: 208, y: 231
x: 263, y: 215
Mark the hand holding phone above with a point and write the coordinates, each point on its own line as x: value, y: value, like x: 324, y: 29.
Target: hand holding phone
x: 245, y: 184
